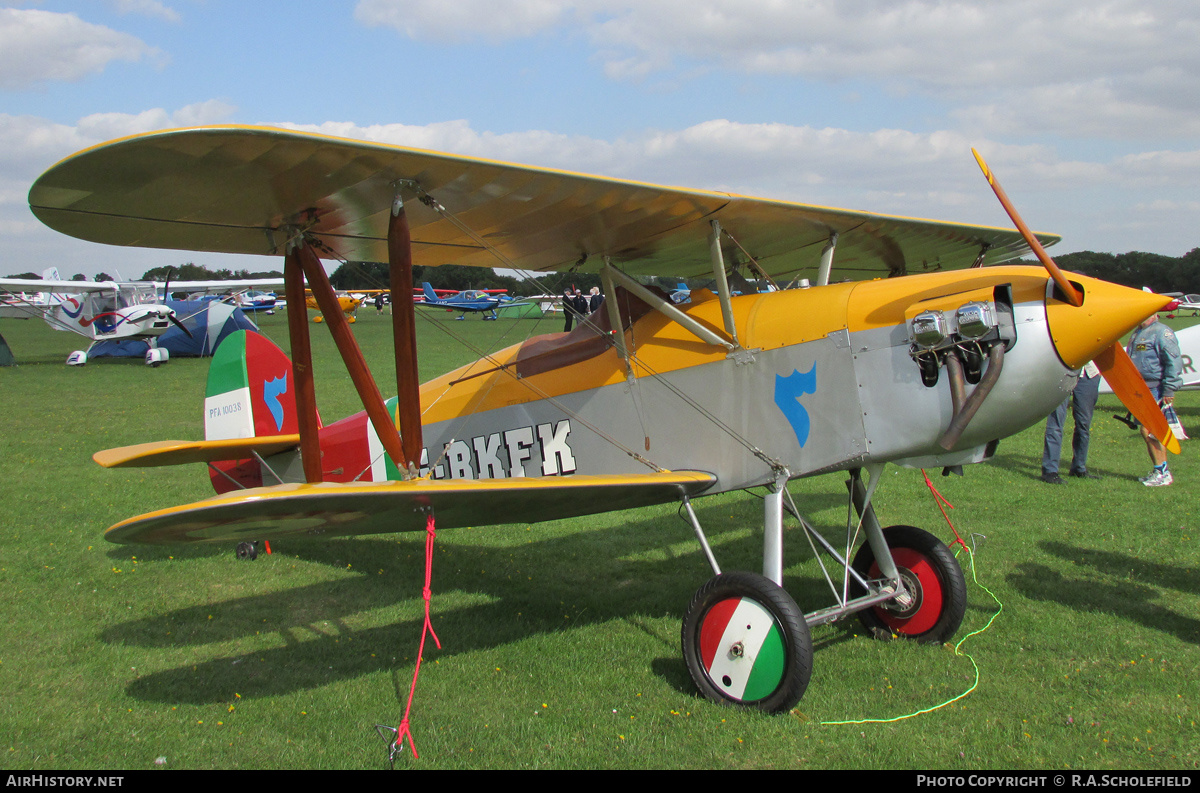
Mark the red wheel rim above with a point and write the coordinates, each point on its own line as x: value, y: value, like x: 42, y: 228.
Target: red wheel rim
x: 929, y: 610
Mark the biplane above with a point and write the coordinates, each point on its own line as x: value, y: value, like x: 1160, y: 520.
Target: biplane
x: 925, y: 350
x: 468, y: 300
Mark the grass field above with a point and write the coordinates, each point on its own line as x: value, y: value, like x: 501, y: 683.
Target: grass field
x: 560, y: 640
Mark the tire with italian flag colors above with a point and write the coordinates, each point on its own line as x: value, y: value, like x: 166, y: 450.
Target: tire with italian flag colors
x: 931, y: 575
x: 745, y: 642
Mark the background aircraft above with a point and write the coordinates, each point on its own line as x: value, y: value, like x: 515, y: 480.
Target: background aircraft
x: 472, y: 300
x: 346, y: 304
x: 108, y: 310
x: 647, y: 401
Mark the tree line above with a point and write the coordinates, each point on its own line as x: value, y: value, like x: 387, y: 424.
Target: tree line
x: 1136, y: 268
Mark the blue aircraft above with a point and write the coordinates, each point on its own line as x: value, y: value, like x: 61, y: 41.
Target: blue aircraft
x: 468, y: 300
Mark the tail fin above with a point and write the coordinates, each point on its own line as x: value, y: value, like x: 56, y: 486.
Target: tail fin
x: 430, y: 295
x: 250, y: 389
x: 250, y: 392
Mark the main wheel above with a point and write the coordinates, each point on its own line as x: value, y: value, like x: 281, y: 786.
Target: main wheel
x: 932, y: 577
x: 745, y: 642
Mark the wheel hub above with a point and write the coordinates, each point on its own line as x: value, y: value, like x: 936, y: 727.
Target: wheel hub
x: 909, y: 603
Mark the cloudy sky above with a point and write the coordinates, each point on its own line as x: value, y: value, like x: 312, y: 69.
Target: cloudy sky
x: 1089, y: 112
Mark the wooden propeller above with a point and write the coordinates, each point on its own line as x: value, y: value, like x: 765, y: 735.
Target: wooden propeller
x: 1114, y: 363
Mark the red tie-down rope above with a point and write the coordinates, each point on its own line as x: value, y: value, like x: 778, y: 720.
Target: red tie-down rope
x: 939, y: 499
x: 426, y: 593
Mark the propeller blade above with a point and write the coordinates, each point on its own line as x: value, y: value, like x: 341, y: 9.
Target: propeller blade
x: 1114, y: 363
x: 1127, y: 383
x: 183, y: 327
x: 1073, y: 296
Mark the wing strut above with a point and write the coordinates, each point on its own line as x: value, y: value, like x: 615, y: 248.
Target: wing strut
x: 306, y: 398
x: 827, y: 259
x: 695, y: 328
x: 352, y: 357
x: 614, y: 319
x: 718, y: 266
x: 404, y: 335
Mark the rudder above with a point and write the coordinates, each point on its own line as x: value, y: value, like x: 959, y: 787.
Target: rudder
x: 250, y: 392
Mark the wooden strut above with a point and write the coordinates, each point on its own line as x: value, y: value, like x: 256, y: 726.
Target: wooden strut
x: 306, y: 400
x: 352, y: 356
x: 404, y: 336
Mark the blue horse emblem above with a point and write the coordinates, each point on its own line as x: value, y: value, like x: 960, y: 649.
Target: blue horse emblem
x: 272, y: 390
x: 788, y: 391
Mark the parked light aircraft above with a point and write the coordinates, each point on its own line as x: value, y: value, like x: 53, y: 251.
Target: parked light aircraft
x: 345, y: 304
x: 251, y: 300
x: 916, y: 363
x: 109, y: 310
x: 472, y: 300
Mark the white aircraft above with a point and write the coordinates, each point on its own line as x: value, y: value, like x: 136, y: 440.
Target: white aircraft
x: 108, y: 310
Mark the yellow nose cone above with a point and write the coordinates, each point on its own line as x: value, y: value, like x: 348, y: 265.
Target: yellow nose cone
x: 1108, y: 312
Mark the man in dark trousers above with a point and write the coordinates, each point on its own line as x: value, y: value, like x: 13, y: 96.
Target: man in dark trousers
x: 1083, y: 403
x: 568, y: 307
x: 581, y: 306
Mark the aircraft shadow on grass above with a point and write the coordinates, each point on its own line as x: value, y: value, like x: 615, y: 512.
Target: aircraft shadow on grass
x: 518, y: 581
x: 1024, y: 465
x: 1131, y: 600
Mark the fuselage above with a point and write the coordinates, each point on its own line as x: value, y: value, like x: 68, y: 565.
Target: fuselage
x: 827, y: 379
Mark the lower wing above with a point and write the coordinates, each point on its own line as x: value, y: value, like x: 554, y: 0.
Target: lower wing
x: 342, y: 509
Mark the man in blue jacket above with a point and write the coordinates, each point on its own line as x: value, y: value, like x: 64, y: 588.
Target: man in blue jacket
x: 1155, y: 352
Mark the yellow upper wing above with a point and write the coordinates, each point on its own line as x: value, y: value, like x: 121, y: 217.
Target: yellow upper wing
x: 247, y: 189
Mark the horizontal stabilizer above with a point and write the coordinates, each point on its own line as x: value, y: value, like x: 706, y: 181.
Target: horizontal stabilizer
x: 145, y: 455
x: 345, y: 508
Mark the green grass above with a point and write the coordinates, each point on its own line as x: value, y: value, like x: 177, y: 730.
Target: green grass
x: 560, y: 640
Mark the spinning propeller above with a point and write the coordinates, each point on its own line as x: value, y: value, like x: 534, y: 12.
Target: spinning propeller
x: 1114, y: 363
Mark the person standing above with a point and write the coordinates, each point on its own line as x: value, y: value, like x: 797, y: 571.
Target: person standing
x: 1155, y: 352
x: 581, y: 306
x: 568, y: 307
x: 594, y: 300
x: 1083, y: 404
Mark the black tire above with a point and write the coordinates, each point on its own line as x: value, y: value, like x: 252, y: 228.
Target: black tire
x: 764, y: 665
x: 931, y: 574
x: 247, y: 550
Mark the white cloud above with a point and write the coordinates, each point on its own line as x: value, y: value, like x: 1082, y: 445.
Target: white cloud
x: 1114, y: 69
x: 150, y: 8
x: 37, y: 46
x: 100, y: 127
x: 461, y: 20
